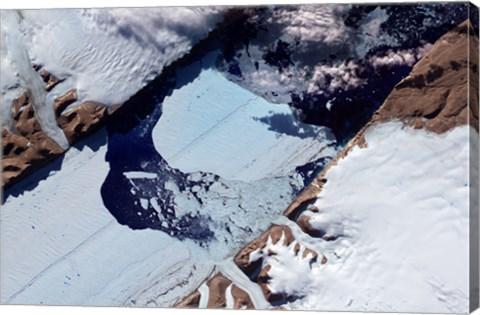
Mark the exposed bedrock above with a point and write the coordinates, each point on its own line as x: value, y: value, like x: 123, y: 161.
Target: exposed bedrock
x: 253, y: 259
x: 26, y: 147
x: 222, y: 293
x: 435, y: 95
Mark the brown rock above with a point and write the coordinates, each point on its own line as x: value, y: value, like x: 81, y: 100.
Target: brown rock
x: 324, y: 260
x: 62, y: 102
x: 26, y: 147
x: 313, y: 209
x: 83, y: 120
x: 435, y: 94
x: 304, y: 223
x: 190, y: 301
x: 311, y: 252
x: 241, y: 298
x: 304, y: 199
x: 217, y: 285
x: 242, y: 259
x: 217, y: 297
x: 50, y: 80
x: 262, y: 280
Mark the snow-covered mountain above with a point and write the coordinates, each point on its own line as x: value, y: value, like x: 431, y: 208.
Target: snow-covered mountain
x: 228, y: 157
x: 390, y: 215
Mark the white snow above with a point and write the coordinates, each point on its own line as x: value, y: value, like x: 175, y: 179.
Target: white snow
x: 204, y: 295
x: 113, y: 53
x: 230, y: 303
x: 9, y: 81
x: 400, y: 209
x: 230, y: 270
x: 49, y: 235
x: 29, y: 79
x: 106, y: 54
x: 213, y: 125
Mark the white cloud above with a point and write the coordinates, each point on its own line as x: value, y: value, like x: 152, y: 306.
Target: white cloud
x: 393, y: 58
x: 336, y: 77
x: 313, y: 23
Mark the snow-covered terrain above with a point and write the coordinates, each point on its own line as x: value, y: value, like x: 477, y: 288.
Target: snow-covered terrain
x: 30, y: 80
x: 107, y: 55
x: 399, y: 210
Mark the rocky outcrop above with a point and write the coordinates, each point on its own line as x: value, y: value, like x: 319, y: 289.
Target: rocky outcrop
x: 50, y: 80
x: 80, y: 121
x: 435, y: 95
x: 256, y: 267
x: 26, y: 147
x: 275, y: 233
x: 253, y: 261
x: 217, y: 295
x: 190, y: 301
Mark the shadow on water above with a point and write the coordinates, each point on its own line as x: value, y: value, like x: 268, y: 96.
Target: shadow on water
x: 286, y: 124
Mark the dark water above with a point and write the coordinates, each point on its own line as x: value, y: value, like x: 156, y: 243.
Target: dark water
x: 131, y: 149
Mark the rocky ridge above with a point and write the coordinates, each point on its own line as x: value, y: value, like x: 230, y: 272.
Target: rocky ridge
x: 26, y: 147
x: 218, y: 286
